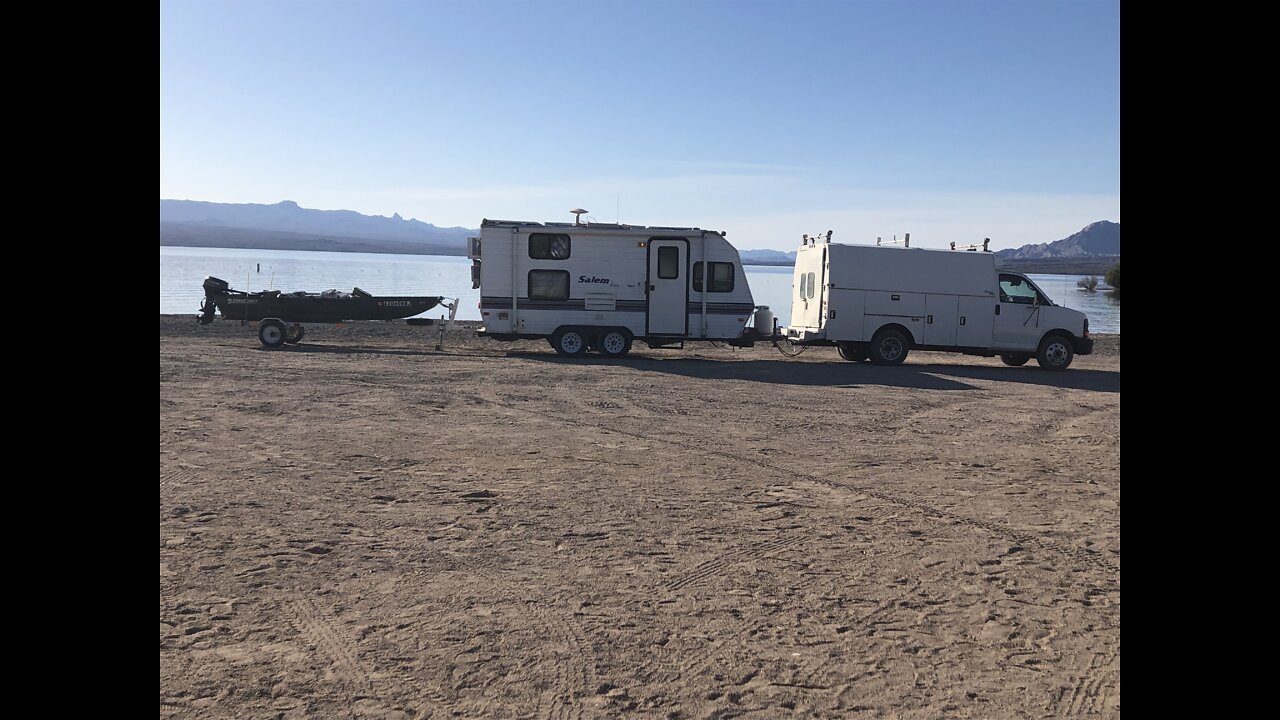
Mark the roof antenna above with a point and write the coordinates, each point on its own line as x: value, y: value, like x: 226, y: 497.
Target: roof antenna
x: 577, y: 215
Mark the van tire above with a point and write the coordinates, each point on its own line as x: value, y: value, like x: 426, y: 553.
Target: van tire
x: 1055, y: 353
x: 614, y: 342
x: 889, y: 347
x: 569, y: 341
x: 853, y: 352
x: 1015, y: 360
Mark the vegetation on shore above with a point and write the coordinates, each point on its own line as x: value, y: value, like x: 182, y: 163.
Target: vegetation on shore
x: 1113, y: 279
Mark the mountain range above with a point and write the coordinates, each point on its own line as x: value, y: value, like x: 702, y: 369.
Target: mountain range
x: 286, y: 226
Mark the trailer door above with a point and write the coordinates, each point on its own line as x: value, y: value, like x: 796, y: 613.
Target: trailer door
x: 668, y: 286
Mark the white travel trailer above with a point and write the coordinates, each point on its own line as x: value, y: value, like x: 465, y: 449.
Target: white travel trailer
x: 602, y: 285
x: 877, y: 303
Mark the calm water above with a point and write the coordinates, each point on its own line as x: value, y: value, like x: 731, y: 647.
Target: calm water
x: 183, y: 269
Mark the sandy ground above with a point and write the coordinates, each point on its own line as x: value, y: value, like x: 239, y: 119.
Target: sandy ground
x: 364, y: 527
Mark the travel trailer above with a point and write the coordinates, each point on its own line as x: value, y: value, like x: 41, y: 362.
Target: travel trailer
x: 601, y: 286
x: 878, y: 303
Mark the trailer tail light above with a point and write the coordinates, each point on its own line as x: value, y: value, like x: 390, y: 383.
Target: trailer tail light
x: 1086, y: 327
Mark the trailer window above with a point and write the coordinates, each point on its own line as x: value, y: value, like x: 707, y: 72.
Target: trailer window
x: 548, y: 246
x: 548, y: 284
x: 720, y: 275
x: 668, y: 262
x: 810, y: 277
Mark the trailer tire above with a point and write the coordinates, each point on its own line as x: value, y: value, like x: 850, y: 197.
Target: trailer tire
x: 569, y: 341
x: 272, y: 333
x: 853, y: 352
x: 294, y: 334
x: 1055, y: 353
x: 889, y: 347
x: 1015, y: 360
x: 614, y: 342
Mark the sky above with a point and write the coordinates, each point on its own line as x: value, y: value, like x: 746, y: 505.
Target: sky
x: 952, y: 120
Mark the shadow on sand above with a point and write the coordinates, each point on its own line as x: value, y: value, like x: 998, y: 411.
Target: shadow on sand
x: 847, y: 374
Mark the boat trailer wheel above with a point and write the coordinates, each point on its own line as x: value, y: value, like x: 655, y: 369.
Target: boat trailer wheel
x: 271, y: 332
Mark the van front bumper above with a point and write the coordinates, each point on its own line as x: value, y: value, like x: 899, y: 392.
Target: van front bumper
x: 1082, y: 346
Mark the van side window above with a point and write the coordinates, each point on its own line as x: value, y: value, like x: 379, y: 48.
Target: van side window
x: 1014, y: 289
x: 548, y: 246
x: 548, y: 284
x: 720, y: 277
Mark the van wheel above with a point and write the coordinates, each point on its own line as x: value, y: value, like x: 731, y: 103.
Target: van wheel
x: 1055, y: 353
x: 853, y: 352
x: 1015, y: 360
x: 614, y: 343
x: 569, y: 341
x: 889, y: 347
x: 271, y: 333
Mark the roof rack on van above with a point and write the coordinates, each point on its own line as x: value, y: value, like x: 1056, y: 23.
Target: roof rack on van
x: 973, y: 247
x: 806, y: 240
x: 906, y: 241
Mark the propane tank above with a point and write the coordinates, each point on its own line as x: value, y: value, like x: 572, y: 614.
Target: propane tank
x: 764, y: 321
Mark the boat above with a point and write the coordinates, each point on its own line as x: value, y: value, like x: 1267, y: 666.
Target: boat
x: 330, y: 306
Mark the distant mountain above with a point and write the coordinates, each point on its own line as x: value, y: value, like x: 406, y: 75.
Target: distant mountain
x: 285, y: 225
x: 768, y: 257
x: 1100, y: 239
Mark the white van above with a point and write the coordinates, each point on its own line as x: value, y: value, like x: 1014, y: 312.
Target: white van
x: 602, y: 285
x: 877, y: 303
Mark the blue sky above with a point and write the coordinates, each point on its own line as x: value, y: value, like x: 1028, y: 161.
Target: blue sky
x: 953, y: 120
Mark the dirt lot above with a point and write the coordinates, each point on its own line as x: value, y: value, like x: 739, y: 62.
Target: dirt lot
x: 361, y: 526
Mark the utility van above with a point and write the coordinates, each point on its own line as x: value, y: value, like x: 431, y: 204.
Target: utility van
x: 878, y: 303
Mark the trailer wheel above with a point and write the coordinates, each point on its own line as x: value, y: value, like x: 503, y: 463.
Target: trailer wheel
x: 1015, y: 360
x: 853, y: 352
x: 889, y: 347
x: 271, y: 332
x: 1055, y: 353
x: 294, y: 334
x: 615, y: 342
x: 569, y: 341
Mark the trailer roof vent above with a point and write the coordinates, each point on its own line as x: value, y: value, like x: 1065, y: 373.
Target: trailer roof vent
x: 577, y: 215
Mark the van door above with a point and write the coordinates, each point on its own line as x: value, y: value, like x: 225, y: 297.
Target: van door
x: 977, y: 318
x: 668, y: 287
x: 942, y: 319
x: 1017, y: 325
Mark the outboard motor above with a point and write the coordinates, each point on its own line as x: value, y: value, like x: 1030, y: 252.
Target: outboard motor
x: 214, y: 289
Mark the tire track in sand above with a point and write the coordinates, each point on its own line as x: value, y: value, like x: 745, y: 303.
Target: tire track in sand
x: 175, y: 475
x: 573, y: 673
x: 706, y: 569
x: 1089, y: 693
x: 317, y: 630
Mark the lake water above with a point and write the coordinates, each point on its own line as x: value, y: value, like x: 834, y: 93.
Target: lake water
x: 183, y: 269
